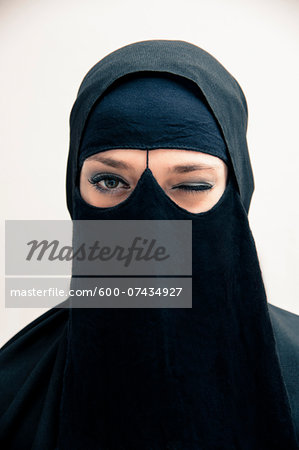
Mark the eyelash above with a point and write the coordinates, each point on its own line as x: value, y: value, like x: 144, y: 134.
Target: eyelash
x: 200, y: 187
x: 94, y: 180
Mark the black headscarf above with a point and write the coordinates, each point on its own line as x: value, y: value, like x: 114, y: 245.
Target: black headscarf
x: 201, y: 378
x: 221, y: 90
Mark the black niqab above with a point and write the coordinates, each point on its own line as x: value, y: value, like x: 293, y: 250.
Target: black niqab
x: 200, y: 378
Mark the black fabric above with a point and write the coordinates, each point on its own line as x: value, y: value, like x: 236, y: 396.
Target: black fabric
x: 32, y: 364
x: 286, y: 330
x: 200, y: 378
x: 50, y: 331
x: 152, y: 110
x: 203, y: 378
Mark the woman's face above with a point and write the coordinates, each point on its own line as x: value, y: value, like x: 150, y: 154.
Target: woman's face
x: 193, y: 180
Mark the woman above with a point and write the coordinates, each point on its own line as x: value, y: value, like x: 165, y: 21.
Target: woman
x: 158, y: 131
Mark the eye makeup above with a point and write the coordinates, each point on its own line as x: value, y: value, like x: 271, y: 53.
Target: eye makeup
x: 193, y: 187
x: 112, y: 183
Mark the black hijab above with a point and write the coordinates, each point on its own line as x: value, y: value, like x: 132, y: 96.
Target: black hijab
x: 207, y: 377
x: 201, y: 378
x: 148, y: 110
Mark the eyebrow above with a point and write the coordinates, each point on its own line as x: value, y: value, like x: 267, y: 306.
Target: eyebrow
x: 190, y: 168
x: 111, y: 162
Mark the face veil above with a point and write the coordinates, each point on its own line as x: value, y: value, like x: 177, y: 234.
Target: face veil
x: 201, y: 378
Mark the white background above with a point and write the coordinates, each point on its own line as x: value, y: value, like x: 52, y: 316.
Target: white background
x: 47, y: 46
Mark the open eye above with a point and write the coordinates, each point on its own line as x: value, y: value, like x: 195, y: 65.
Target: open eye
x: 108, y: 182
